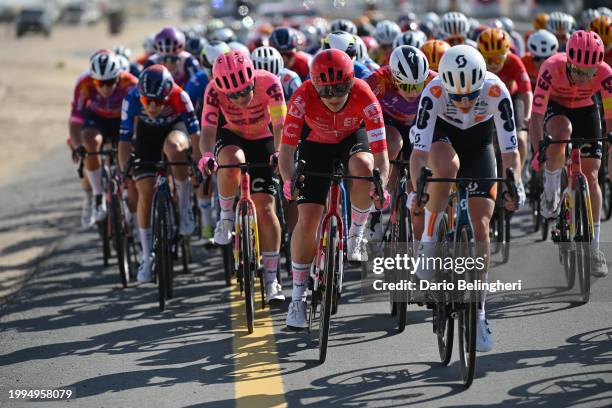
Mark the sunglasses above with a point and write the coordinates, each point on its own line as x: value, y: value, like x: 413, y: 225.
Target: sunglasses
x: 146, y: 101
x: 242, y: 93
x: 459, y: 97
x: 582, y: 72
x: 495, y: 60
x: 410, y: 87
x: 100, y: 83
x: 171, y: 58
x: 334, y: 91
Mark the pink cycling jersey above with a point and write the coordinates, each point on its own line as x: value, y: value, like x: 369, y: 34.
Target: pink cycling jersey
x: 554, y: 83
x: 252, y: 122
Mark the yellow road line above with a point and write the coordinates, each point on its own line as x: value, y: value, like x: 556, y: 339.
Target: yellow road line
x: 257, y: 376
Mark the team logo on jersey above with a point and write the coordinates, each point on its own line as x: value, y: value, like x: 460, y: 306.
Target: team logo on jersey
x: 297, y: 107
x: 494, y: 91
x: 435, y: 91
x: 372, y: 112
x: 505, y: 110
x: 607, y: 84
x: 423, y: 115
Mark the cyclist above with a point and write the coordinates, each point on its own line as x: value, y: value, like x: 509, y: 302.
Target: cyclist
x: 345, y: 25
x: 455, y: 28
x: 602, y: 25
x: 494, y: 45
x: 328, y: 112
x: 563, y: 106
x: 269, y: 59
x: 434, y: 50
x: 95, y: 117
x: 244, y: 111
x: 413, y: 38
x: 162, y: 116
x: 398, y: 87
x: 586, y: 17
x: 346, y: 42
x: 362, y: 54
x: 149, y: 49
x: 285, y: 40
x: 561, y: 25
x: 541, y: 45
x: 385, y: 33
x: 132, y: 67
x: 516, y: 39
x: 458, y: 113
x: 170, y: 52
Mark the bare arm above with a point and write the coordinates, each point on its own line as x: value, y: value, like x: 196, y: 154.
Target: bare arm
x: 125, y: 149
x: 536, y: 130
x: 207, y: 139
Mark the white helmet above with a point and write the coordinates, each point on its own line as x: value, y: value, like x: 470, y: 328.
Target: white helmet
x: 341, y: 40
x: 605, y: 11
x: 560, y: 23
x: 386, y: 31
x: 413, y: 38
x: 104, y: 65
x: 361, y: 49
x: 123, y: 50
x: 454, y: 23
x: 343, y: 24
x: 587, y: 16
x: 431, y: 16
x: 267, y: 58
x: 409, y: 65
x: 542, y: 44
x: 237, y: 46
x: 124, y: 63
x: 462, y: 69
x: 507, y: 24
x: 148, y: 44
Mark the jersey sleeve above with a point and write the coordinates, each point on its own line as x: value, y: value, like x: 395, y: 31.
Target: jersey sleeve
x: 276, y: 101
x: 542, y: 89
x: 210, y: 111
x: 606, y: 92
x: 294, y: 83
x: 500, y: 106
x: 377, y: 83
x: 79, y: 102
x: 296, y: 113
x: 129, y: 109
x: 521, y: 77
x: 421, y: 134
x: 188, y: 113
x: 373, y: 118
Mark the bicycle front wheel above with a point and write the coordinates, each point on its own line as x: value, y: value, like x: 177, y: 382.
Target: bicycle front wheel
x: 163, y: 252
x: 327, y: 289
x: 246, y: 253
x: 120, y: 240
x: 466, y: 323
x: 584, y: 238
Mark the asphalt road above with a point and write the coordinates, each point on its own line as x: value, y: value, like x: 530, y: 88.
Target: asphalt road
x: 73, y: 327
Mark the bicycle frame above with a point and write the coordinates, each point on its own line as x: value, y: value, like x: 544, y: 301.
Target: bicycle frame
x: 574, y: 170
x: 245, y: 197
x: 162, y: 187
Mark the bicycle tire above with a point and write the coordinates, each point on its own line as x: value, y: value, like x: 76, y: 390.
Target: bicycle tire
x: 185, y: 252
x: 246, y: 249
x: 507, y: 237
x: 228, y: 262
x: 466, y: 323
x: 327, y: 288
x: 161, y: 251
x: 583, y: 250
x: 119, y: 239
x: 103, y: 228
x: 405, y: 230
x: 445, y: 333
x: 607, y: 199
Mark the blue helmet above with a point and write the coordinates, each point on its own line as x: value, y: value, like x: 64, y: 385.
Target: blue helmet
x: 155, y: 82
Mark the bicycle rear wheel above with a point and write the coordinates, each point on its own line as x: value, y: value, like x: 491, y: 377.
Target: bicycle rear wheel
x: 246, y: 253
x: 228, y: 262
x: 120, y: 239
x: 326, y: 289
x: 506, y: 248
x: 444, y: 324
x: 606, y: 194
x: 583, y: 248
x: 163, y: 251
x: 104, y: 227
x: 466, y: 323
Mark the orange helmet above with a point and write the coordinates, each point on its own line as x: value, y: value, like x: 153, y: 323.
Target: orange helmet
x: 602, y: 25
x: 433, y: 50
x: 493, y: 42
x: 540, y: 21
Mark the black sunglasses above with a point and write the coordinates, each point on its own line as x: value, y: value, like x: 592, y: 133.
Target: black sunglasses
x: 171, y: 58
x: 106, y: 82
x: 459, y: 97
x: 242, y: 93
x: 334, y: 91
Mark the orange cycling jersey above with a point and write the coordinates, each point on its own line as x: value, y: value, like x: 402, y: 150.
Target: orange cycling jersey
x: 325, y: 126
x: 251, y: 122
x: 87, y: 97
x: 514, y: 75
x: 554, y: 83
x: 531, y: 68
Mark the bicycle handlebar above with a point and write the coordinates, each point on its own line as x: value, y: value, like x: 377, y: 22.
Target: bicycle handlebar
x: 163, y: 164
x: 547, y: 141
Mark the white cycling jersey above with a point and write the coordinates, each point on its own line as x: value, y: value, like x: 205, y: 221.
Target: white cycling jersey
x: 494, y: 101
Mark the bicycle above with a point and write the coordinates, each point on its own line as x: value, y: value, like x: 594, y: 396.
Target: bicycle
x: 246, y: 252
x: 114, y: 228
x: 327, y: 270
x: 166, y: 238
x: 462, y: 305
x: 574, y: 229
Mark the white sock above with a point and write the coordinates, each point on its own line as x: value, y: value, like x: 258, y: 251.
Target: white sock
x: 432, y: 220
x: 595, y: 243
x: 483, y: 294
x: 205, y: 205
x: 95, y: 180
x: 227, y: 207
x: 183, y: 191
x: 270, y: 264
x: 552, y: 180
x: 359, y: 218
x: 146, y: 240
x: 300, y: 276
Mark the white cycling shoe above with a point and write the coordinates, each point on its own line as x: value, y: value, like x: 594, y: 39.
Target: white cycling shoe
x: 357, y: 250
x: 187, y: 222
x: 424, y: 251
x: 484, y: 336
x: 550, y: 207
x: 87, y: 219
x: 296, y: 316
x: 223, y: 232
x: 98, y: 210
x: 274, y: 293
x: 145, y: 270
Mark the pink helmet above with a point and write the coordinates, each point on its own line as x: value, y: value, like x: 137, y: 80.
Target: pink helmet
x: 585, y: 49
x: 233, y: 71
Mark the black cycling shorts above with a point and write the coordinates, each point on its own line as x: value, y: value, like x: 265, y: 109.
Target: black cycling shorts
x: 320, y: 158
x: 474, y: 147
x: 149, y: 144
x: 585, y: 125
x: 108, y: 127
x: 263, y: 179
x: 405, y: 132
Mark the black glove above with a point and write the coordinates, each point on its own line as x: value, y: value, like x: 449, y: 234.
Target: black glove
x: 81, y: 151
